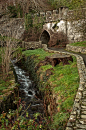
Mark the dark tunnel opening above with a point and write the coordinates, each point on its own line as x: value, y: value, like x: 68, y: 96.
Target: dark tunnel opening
x: 45, y: 37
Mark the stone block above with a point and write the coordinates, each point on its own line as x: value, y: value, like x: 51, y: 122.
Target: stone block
x: 72, y: 118
x: 81, y: 126
x: 69, y: 128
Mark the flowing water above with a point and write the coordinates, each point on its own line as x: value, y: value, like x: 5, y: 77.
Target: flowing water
x: 28, y: 92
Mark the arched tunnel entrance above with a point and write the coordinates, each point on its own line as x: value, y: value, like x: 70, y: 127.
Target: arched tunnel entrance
x: 45, y: 37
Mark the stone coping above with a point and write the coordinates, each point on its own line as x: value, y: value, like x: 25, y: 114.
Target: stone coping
x: 76, y: 48
x: 77, y: 120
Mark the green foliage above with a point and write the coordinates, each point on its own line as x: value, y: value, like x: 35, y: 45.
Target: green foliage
x: 28, y: 21
x: 18, y: 53
x: 15, y: 11
x: 83, y: 44
x: 73, y: 4
x: 64, y: 82
x: 59, y: 120
x: 40, y: 53
x: 38, y: 22
x: 45, y: 67
x: 14, y: 120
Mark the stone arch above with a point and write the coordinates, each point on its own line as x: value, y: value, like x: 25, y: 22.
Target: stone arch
x: 45, y: 37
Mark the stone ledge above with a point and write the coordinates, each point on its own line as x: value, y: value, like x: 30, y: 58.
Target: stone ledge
x: 76, y: 48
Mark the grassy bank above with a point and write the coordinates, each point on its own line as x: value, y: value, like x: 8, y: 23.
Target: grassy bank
x: 63, y: 83
x: 82, y: 44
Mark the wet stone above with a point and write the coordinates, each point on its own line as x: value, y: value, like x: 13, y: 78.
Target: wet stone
x: 69, y: 124
x: 72, y: 118
x: 82, y: 121
x: 83, y: 99
x: 73, y: 112
x: 77, y: 105
x: 83, y: 116
x: 68, y: 128
x: 83, y: 112
x: 77, y: 100
x: 81, y: 87
x: 79, y: 95
x: 84, y: 103
x: 84, y: 107
x: 84, y: 93
x: 81, y: 126
x: 80, y: 129
x: 78, y: 112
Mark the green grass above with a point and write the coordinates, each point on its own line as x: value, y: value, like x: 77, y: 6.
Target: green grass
x: 64, y: 82
x: 39, y: 53
x: 83, y: 44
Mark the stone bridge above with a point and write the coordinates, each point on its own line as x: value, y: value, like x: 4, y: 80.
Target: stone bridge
x: 63, y: 26
x: 60, y: 27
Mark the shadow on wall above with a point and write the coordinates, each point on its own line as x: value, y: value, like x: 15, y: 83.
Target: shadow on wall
x: 58, y: 39
x: 45, y: 37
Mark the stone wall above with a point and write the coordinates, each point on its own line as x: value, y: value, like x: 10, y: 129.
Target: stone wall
x: 12, y: 27
x: 77, y: 120
x: 31, y: 45
x: 71, y: 23
x: 76, y: 49
x: 74, y: 31
x: 23, y: 44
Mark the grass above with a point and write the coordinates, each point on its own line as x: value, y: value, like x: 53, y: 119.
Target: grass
x: 64, y: 82
x: 82, y: 44
x: 39, y: 53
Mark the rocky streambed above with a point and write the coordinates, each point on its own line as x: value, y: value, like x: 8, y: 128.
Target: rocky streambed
x: 30, y: 96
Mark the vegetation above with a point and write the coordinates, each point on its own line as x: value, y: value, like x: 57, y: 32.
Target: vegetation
x: 39, y: 53
x: 5, y: 38
x: 15, y: 11
x: 73, y: 4
x: 82, y: 44
x: 64, y: 83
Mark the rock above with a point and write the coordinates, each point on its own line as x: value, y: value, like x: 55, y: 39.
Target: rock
x: 57, y: 58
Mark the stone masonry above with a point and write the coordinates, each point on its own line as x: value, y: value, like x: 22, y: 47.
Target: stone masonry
x: 77, y: 120
x: 71, y: 23
x: 76, y: 49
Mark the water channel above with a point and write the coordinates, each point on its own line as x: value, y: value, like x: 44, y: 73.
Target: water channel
x: 27, y: 89
x: 28, y: 92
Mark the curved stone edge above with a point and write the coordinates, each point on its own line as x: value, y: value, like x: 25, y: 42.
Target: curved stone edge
x: 76, y: 48
x: 75, y: 121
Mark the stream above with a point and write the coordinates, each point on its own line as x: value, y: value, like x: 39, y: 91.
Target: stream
x: 28, y: 92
